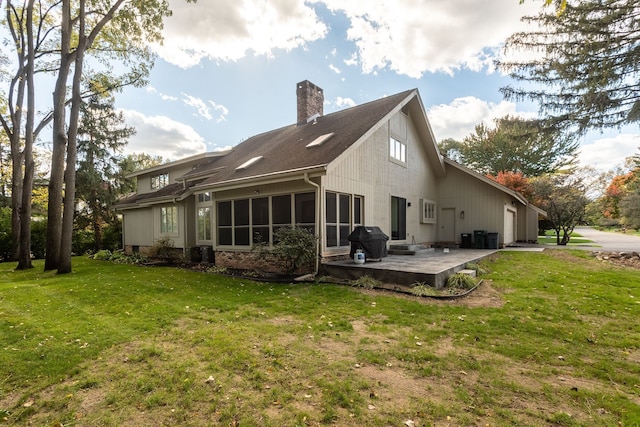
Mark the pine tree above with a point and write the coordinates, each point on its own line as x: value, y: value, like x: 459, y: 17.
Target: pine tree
x: 102, y: 136
x: 589, y: 73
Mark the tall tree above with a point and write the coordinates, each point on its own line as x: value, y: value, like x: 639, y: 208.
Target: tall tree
x: 563, y: 197
x: 18, y: 121
x: 517, y: 145
x: 587, y: 77
x: 114, y: 29
x: 101, y: 138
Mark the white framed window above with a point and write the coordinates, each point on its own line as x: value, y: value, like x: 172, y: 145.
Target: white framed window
x: 204, y: 223
x: 169, y: 219
x: 397, y: 150
x: 159, y: 181
x: 342, y: 213
x: 427, y: 211
x: 204, y: 197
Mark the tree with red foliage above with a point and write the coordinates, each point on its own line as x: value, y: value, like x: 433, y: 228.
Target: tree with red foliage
x: 615, y: 192
x: 515, y: 181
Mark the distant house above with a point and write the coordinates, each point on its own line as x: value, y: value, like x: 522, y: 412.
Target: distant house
x: 376, y: 164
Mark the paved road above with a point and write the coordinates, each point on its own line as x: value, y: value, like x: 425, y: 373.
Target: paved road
x: 609, y: 241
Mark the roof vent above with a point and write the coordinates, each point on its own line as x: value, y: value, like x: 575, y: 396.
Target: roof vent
x: 320, y: 140
x: 248, y: 163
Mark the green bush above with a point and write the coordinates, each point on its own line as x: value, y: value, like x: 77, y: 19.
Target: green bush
x: 5, y: 234
x: 103, y: 255
x: 366, y: 282
x: 294, y: 248
x: 461, y: 281
x: 163, y: 249
x: 421, y: 289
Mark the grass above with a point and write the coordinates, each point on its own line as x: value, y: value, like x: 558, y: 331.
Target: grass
x: 550, y: 338
x: 576, y: 239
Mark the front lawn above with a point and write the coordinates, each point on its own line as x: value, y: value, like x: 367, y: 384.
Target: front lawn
x: 549, y: 338
x: 576, y: 239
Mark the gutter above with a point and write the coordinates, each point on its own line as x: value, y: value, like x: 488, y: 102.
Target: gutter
x: 318, y: 222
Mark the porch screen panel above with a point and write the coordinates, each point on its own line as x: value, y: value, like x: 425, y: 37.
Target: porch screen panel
x: 305, y: 211
x: 331, y: 219
x: 260, y: 220
x: 281, y: 211
x: 225, y: 224
x: 241, y: 222
x: 357, y: 210
x: 345, y: 219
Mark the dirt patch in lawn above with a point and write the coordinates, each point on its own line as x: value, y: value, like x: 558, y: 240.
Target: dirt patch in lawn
x: 484, y: 295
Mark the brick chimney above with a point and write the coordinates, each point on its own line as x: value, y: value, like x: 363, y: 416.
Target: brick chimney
x: 310, y: 101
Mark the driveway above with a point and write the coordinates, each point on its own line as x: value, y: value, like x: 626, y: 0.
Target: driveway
x: 608, y: 241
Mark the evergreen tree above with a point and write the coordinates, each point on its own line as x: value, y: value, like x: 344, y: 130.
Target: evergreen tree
x: 101, y: 138
x: 589, y: 71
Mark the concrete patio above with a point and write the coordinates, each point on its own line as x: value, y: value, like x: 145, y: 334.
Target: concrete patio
x: 431, y: 266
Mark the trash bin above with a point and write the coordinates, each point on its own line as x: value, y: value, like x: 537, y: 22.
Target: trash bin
x: 493, y: 240
x: 479, y: 237
x: 371, y: 240
x: 465, y: 240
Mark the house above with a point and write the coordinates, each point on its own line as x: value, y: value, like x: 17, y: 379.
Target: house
x: 376, y: 164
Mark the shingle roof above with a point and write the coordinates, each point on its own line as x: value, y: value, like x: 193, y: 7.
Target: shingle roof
x: 168, y: 192
x: 285, y: 149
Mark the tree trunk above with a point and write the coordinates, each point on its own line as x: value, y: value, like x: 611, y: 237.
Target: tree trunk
x: 56, y: 181
x: 24, y: 254
x: 66, y: 241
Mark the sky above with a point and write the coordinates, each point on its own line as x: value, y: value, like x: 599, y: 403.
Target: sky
x: 228, y: 70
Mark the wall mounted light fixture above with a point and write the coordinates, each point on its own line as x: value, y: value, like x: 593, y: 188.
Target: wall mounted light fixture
x: 461, y: 214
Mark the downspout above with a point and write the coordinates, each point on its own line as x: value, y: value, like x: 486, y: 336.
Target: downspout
x: 318, y: 212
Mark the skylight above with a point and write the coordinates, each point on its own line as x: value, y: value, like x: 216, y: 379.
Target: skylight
x: 248, y: 163
x: 320, y: 140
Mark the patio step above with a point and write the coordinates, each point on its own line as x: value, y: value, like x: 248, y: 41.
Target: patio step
x: 404, y: 249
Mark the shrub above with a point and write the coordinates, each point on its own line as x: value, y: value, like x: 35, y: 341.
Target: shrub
x: 479, y: 269
x: 421, y: 289
x: 103, y: 255
x: 366, y: 282
x: 294, y: 247
x: 163, y: 249
x: 461, y: 281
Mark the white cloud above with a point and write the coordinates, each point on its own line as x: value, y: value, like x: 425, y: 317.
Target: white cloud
x: 204, y: 108
x: 459, y: 118
x: 160, y: 135
x: 412, y: 38
x: 608, y: 153
x: 162, y: 96
x: 334, y: 69
x: 344, y: 102
x: 225, y: 30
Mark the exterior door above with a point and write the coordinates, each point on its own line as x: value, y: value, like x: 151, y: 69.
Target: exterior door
x: 447, y: 222
x: 509, y: 226
x: 398, y: 218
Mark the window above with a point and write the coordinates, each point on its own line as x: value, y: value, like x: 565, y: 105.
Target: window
x: 204, y: 223
x: 159, y: 181
x: 428, y: 212
x: 260, y: 219
x: 398, y: 218
x: 169, y: 219
x: 204, y: 197
x: 249, y: 221
x: 339, y: 220
x: 397, y: 150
